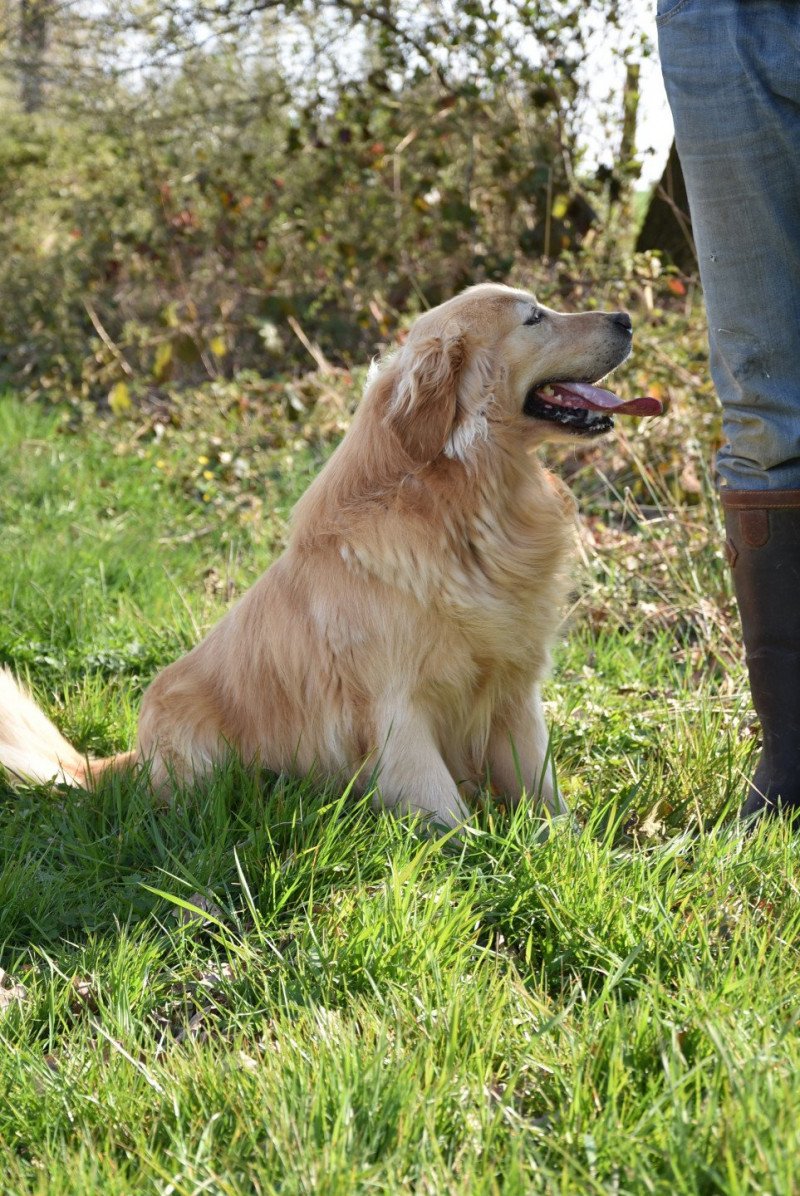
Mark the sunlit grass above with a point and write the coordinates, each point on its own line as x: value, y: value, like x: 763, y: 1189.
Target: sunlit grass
x: 269, y: 988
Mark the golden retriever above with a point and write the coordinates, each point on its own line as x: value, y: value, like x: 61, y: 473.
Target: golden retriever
x: 403, y: 635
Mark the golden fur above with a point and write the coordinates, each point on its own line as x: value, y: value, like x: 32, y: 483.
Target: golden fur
x: 404, y: 633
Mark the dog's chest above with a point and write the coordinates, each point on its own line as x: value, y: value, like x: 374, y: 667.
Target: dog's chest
x: 509, y: 575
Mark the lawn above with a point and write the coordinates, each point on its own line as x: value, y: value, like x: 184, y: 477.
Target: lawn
x: 269, y: 988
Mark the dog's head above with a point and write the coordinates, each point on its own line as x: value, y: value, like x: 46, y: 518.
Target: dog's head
x: 495, y: 357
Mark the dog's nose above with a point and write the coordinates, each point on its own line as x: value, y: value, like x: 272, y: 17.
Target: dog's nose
x: 623, y: 319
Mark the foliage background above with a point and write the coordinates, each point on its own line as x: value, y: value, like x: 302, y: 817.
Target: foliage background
x: 181, y: 181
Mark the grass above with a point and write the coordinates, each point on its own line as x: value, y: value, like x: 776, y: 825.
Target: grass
x: 268, y: 988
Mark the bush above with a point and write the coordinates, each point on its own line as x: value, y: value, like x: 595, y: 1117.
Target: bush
x: 166, y: 232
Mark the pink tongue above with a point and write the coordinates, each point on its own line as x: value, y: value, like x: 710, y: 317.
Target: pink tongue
x: 594, y: 398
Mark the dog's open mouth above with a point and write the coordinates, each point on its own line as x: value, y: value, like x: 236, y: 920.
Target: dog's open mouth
x: 582, y: 408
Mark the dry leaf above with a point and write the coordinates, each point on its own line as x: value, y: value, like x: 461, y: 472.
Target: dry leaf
x: 203, y: 905
x: 10, y: 993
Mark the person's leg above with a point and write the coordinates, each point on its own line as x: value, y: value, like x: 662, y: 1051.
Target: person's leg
x: 732, y: 78
x: 733, y: 82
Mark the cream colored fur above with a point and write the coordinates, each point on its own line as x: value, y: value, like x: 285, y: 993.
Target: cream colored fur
x: 30, y: 746
x: 406, y: 630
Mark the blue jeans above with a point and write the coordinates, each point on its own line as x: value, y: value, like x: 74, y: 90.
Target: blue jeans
x: 732, y: 74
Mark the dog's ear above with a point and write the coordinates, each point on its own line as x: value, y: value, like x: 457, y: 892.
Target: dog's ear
x: 475, y: 393
x: 422, y: 409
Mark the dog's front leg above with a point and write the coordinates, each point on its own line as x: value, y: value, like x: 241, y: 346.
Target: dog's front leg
x: 518, y: 755
x: 412, y: 776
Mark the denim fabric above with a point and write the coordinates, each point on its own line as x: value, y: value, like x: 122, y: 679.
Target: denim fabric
x: 732, y: 74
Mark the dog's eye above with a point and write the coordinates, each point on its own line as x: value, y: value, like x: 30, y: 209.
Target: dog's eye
x: 533, y: 318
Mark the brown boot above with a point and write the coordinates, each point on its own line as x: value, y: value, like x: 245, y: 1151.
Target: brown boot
x: 763, y: 548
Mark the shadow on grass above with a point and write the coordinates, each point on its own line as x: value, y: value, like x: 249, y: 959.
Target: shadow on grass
x: 312, y: 879
x: 74, y: 863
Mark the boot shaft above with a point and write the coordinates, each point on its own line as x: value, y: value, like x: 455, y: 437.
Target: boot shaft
x: 763, y: 550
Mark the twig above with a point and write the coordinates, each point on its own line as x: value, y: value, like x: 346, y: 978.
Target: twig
x: 681, y: 371
x: 312, y: 347
x: 106, y: 339
x: 187, y: 537
x: 140, y: 1067
x: 681, y: 218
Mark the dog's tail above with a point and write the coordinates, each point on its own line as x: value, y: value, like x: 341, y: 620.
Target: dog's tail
x: 33, y: 750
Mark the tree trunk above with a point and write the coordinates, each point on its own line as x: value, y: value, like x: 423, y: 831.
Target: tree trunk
x: 667, y: 225
x: 32, y: 43
x: 630, y: 113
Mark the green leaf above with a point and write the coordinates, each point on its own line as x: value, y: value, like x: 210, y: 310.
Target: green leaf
x: 163, y: 361
x: 119, y: 398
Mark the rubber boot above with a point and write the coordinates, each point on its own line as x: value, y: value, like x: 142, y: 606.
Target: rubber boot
x: 763, y: 549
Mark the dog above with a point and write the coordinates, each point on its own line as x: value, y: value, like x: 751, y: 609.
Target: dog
x: 403, y: 636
